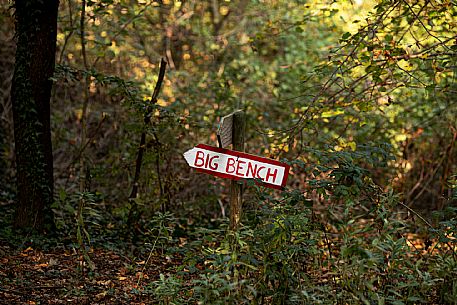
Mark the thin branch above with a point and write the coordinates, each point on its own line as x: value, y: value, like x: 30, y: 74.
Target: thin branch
x: 420, y: 21
x: 67, y: 37
x: 417, y: 214
x: 125, y: 25
x: 331, y: 80
x: 147, y: 120
x: 83, y: 36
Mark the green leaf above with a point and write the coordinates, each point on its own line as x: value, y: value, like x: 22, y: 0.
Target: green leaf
x: 346, y: 36
x: 430, y: 88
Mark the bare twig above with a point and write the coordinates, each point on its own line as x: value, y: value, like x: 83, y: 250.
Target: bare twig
x: 417, y: 214
x: 141, y: 148
x: 81, y: 231
x: 67, y: 37
x: 125, y: 25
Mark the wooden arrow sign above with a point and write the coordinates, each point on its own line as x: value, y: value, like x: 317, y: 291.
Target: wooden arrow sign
x: 237, y: 165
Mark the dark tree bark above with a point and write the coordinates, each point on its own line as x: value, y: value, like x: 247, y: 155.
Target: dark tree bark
x: 2, y: 158
x: 7, y: 51
x: 36, y: 30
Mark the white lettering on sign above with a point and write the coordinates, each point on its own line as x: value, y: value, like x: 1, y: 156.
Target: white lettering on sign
x: 237, y: 165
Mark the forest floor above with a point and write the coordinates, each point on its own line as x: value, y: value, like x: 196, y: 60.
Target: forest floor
x: 142, y: 267
x: 35, y: 276
x: 55, y: 275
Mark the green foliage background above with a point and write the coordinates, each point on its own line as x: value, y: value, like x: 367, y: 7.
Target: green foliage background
x: 359, y: 97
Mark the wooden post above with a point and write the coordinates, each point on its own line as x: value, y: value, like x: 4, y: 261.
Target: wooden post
x: 236, y: 189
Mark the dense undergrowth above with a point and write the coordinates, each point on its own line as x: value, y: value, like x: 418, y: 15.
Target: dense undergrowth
x: 358, y: 98
x: 289, y: 250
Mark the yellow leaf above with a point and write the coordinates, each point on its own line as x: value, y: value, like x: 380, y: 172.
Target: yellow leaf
x: 224, y: 10
x: 331, y: 113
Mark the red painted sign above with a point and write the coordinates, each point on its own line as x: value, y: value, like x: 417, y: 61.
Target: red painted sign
x: 237, y: 165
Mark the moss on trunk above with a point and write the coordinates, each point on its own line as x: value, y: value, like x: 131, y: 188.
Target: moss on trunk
x: 36, y: 29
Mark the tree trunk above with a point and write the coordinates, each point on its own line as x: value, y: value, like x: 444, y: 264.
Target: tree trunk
x: 7, y: 51
x: 36, y: 30
x: 2, y: 159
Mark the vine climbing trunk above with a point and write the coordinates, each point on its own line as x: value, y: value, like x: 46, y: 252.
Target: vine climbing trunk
x: 36, y: 30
